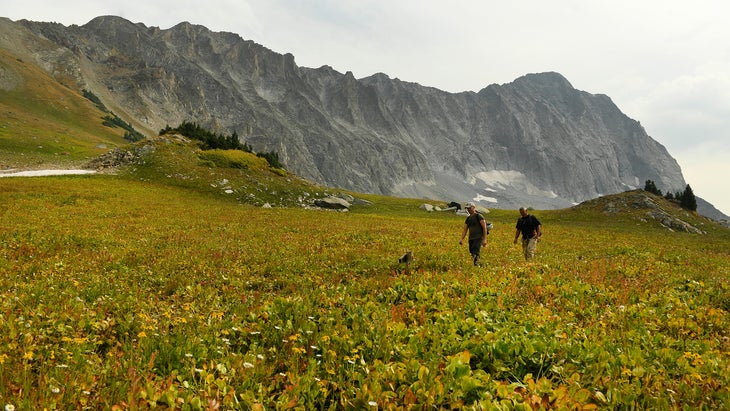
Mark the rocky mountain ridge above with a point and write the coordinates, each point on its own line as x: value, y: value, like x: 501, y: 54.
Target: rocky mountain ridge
x: 536, y: 141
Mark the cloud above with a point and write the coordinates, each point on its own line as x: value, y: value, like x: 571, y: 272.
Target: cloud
x: 705, y: 167
x: 688, y: 110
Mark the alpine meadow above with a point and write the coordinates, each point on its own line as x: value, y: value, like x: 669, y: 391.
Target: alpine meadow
x: 166, y: 283
x: 161, y: 288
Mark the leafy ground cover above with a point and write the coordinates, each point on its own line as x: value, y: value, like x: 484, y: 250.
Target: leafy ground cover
x: 117, y: 293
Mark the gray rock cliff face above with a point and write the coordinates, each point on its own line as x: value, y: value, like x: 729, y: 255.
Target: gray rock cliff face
x: 536, y: 141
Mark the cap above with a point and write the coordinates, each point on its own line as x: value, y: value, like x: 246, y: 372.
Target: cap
x: 469, y: 205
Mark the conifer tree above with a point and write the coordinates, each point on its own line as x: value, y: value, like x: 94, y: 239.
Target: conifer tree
x: 688, y: 200
x: 650, y: 187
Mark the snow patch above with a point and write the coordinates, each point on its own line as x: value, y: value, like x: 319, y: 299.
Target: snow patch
x: 480, y: 197
x: 629, y: 186
x: 42, y: 173
x: 509, y: 180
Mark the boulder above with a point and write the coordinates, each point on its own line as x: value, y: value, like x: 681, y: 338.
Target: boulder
x: 331, y: 202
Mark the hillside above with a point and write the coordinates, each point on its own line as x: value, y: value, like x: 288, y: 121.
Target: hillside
x: 44, y: 124
x: 243, y: 177
x: 648, y: 209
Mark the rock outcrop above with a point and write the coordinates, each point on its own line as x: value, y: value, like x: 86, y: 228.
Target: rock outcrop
x: 647, y: 207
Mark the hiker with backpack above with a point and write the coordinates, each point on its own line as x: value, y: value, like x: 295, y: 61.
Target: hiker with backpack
x: 476, y: 225
x: 531, y: 229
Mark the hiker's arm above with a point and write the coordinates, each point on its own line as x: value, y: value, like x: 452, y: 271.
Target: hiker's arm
x: 463, y: 233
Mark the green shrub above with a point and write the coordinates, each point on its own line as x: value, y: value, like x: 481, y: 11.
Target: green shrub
x: 232, y: 159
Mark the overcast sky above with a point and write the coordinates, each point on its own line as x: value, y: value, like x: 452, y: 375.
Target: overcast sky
x: 664, y: 63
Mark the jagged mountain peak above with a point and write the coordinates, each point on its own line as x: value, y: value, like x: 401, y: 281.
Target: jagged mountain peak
x: 109, y: 22
x: 544, y: 79
x: 114, y: 25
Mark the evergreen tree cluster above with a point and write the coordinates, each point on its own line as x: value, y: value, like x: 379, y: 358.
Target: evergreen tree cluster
x: 112, y: 120
x: 686, y: 198
x: 212, y: 141
x: 94, y: 99
x: 272, y: 158
x: 650, y: 187
x: 130, y: 134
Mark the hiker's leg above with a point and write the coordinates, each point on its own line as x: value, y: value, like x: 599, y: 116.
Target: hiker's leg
x: 530, y: 248
x: 474, y: 249
x: 525, y: 247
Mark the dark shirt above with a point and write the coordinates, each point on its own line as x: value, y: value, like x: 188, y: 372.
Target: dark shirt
x: 528, y: 226
x: 474, y: 222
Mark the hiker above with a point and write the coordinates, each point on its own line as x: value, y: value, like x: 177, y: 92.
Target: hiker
x: 477, y: 228
x: 531, y: 229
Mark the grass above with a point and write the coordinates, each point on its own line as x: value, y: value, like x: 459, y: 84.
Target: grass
x: 118, y: 292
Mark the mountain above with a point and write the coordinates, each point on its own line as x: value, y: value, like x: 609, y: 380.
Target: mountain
x: 536, y: 141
